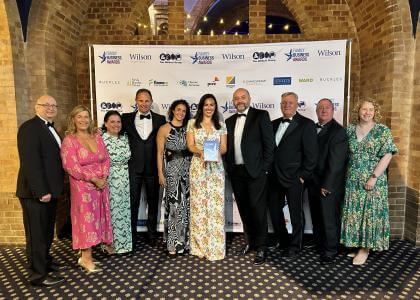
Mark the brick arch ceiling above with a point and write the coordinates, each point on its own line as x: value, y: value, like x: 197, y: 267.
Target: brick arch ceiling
x: 139, y: 13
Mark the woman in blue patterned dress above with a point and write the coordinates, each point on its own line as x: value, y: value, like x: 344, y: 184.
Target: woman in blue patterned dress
x: 173, y: 170
x: 365, y: 214
x: 119, y: 188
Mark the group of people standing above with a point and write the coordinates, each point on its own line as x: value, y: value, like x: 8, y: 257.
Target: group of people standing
x: 269, y: 164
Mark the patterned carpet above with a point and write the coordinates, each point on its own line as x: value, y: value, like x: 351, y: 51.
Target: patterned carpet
x: 150, y: 274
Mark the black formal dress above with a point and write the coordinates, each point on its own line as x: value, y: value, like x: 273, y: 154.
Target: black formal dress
x: 295, y: 157
x: 40, y: 173
x: 328, y: 174
x: 142, y: 168
x: 249, y: 180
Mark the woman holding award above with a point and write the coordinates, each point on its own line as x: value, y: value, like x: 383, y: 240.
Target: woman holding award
x: 205, y: 133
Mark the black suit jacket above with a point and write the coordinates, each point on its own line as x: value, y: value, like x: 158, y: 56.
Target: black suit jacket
x: 40, y: 171
x: 143, y: 152
x: 257, y: 142
x: 296, y: 154
x: 331, y: 166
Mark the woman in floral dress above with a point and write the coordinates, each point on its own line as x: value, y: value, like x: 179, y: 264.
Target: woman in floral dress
x: 173, y: 161
x: 119, y: 185
x: 86, y: 160
x: 365, y: 213
x: 207, y: 182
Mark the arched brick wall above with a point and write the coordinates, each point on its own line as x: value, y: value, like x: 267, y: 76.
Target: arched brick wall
x: 55, y: 59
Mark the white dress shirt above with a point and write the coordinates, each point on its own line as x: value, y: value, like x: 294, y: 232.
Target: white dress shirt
x: 144, y: 127
x: 239, y: 129
x: 281, y: 130
x: 53, y: 131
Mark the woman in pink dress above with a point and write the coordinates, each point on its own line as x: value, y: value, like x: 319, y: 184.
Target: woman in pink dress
x: 86, y: 160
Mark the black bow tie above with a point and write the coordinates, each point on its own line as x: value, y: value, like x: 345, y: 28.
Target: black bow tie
x: 242, y: 115
x: 319, y: 125
x: 50, y: 124
x: 145, y: 117
x: 282, y: 120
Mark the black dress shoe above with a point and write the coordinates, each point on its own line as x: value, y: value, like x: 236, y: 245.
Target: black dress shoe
x: 49, y: 281
x: 291, y: 253
x: 53, y: 267
x: 312, y: 244
x: 328, y: 259
x: 259, y: 257
x: 243, y: 250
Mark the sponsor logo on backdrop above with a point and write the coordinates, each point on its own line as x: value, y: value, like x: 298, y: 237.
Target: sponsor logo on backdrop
x: 110, y: 57
x: 297, y: 54
x: 301, y: 105
x: 193, y: 107
x: 233, y: 56
x: 188, y: 83
x: 108, y: 82
x: 134, y: 82
x: 264, y: 56
x: 202, y: 58
x: 139, y: 57
x: 228, y: 107
x: 262, y: 105
x: 170, y: 58
x: 330, y: 79
x: 111, y: 105
x: 230, y: 81
x: 329, y: 53
x: 214, y: 81
x: 252, y: 82
x: 153, y: 82
x: 306, y: 80
x: 282, y: 80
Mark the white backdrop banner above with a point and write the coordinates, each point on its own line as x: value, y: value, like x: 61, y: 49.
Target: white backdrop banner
x: 313, y: 70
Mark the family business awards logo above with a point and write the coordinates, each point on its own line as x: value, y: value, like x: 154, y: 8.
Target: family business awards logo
x: 110, y: 57
x: 297, y: 54
x: 202, y: 58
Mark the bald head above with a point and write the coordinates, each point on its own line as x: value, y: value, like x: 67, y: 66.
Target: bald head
x: 46, y: 107
x: 241, y: 99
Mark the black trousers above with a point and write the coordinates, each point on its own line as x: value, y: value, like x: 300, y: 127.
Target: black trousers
x: 294, y: 195
x: 325, y: 214
x: 251, y: 198
x: 152, y: 194
x: 38, y: 220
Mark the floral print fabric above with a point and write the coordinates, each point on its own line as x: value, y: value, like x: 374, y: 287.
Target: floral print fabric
x: 90, y: 213
x: 207, y: 199
x: 365, y: 214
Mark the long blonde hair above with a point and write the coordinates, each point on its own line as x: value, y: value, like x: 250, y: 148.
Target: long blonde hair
x: 355, y: 113
x: 71, y: 128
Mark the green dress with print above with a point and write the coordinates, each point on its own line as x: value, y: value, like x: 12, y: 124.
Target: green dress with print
x: 365, y: 214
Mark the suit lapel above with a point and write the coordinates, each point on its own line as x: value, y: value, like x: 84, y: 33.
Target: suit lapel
x: 47, y: 131
x: 133, y: 125
x: 292, y: 126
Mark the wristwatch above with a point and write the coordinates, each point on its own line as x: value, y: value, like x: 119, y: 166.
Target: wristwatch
x: 373, y: 175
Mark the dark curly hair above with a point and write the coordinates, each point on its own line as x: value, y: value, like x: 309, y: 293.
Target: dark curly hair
x: 199, y: 114
x: 187, y: 112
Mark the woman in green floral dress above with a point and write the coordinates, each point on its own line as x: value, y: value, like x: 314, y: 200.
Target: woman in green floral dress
x: 365, y: 213
x: 118, y: 181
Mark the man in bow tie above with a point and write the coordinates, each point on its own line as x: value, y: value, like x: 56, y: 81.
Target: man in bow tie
x: 249, y: 157
x: 295, y: 157
x: 39, y: 184
x: 326, y: 187
x: 141, y: 127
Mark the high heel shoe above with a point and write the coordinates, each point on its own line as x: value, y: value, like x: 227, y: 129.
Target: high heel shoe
x: 87, y: 269
x: 79, y: 255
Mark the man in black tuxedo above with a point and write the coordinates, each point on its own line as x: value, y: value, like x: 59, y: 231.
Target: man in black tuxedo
x: 295, y: 157
x: 40, y: 181
x: 326, y: 188
x: 141, y: 127
x: 249, y: 157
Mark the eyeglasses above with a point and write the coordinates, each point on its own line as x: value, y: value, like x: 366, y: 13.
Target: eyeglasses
x: 52, y: 106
